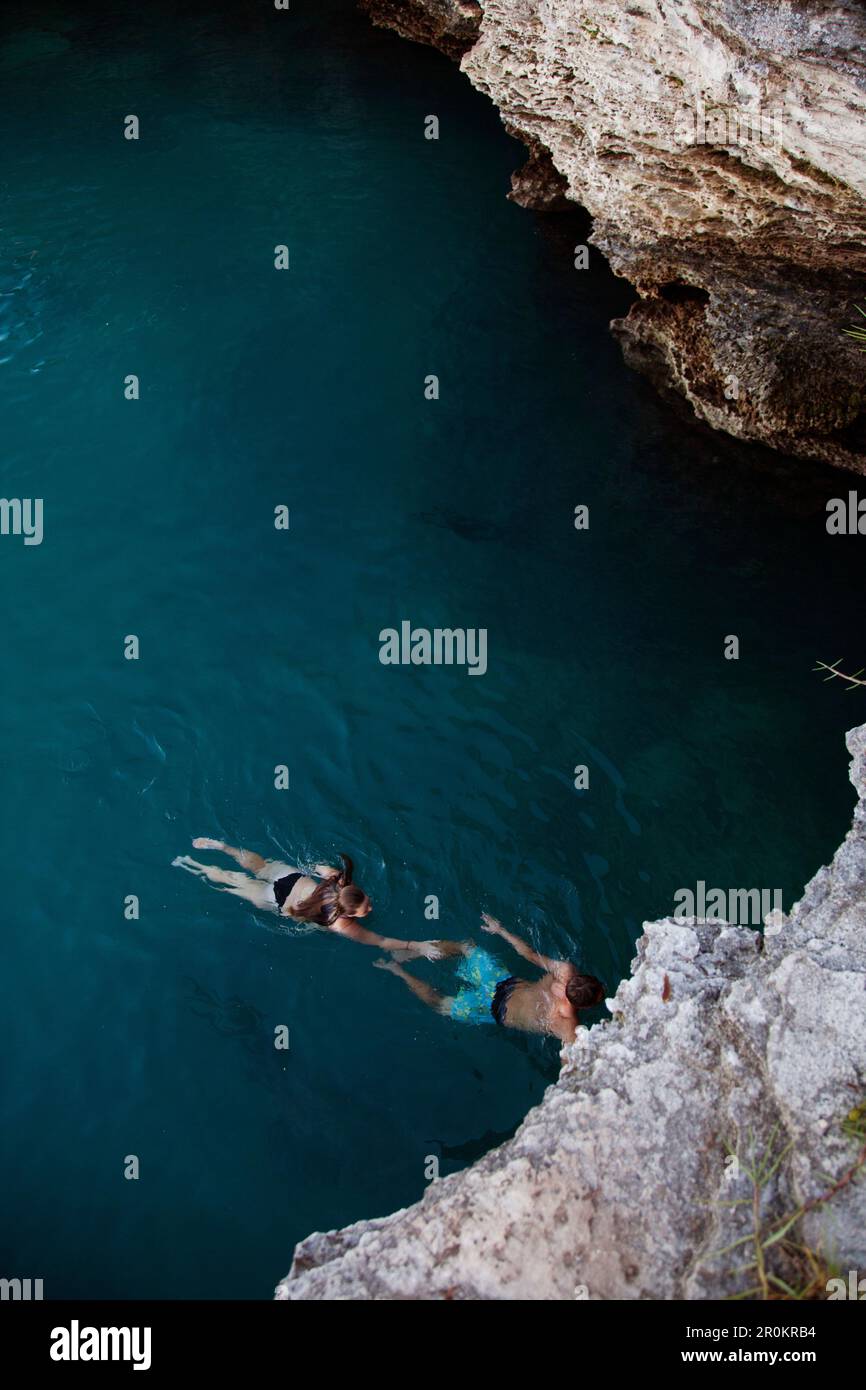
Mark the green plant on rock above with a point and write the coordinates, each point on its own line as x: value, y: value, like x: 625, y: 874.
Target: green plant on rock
x: 808, y: 1270
x: 858, y: 332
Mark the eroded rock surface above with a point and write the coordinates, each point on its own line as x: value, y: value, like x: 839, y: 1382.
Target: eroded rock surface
x: 720, y: 146
x: 721, y: 1043
x: 451, y: 25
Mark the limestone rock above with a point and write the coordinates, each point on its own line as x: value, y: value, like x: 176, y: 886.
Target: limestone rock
x: 451, y: 25
x: 720, y: 146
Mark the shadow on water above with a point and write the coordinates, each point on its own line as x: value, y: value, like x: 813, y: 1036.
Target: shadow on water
x: 230, y: 1017
x: 472, y: 1149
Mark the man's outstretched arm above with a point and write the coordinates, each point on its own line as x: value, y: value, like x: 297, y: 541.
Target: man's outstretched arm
x: 495, y: 928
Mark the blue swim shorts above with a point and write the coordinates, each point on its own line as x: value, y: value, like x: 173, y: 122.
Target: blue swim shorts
x: 480, y: 974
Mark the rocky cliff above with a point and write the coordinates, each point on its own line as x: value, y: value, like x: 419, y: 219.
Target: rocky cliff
x: 720, y: 146
x: 734, y: 1064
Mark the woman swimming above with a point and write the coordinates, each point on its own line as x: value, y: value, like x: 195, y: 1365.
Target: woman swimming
x: 335, y: 902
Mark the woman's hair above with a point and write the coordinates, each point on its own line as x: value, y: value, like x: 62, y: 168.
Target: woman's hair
x: 334, y: 897
x: 584, y: 991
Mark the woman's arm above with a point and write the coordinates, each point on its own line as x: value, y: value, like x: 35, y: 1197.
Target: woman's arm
x: 347, y: 926
x: 495, y: 928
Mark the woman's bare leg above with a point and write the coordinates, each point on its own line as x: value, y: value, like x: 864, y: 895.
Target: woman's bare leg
x: 426, y: 993
x: 247, y: 858
x: 252, y: 890
x: 229, y: 878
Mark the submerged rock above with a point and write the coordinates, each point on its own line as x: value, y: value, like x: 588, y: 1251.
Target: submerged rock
x: 726, y: 1050
x: 720, y: 146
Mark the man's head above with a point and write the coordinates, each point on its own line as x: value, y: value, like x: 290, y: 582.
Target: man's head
x: 583, y: 991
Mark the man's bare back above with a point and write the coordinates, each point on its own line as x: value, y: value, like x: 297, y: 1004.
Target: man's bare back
x: 541, y: 1006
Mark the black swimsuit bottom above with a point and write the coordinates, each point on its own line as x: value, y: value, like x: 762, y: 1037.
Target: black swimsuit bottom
x: 501, y: 996
x: 283, y: 887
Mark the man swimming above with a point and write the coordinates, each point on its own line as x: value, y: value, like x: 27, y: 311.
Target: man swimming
x: 335, y: 903
x: 550, y: 1005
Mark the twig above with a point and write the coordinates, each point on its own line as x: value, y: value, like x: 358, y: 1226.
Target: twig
x: 833, y: 668
x: 844, y: 1181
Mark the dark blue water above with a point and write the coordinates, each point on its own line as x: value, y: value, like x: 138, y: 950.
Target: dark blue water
x: 258, y: 647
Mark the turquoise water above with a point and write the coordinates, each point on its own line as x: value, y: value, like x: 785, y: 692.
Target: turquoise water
x: 305, y: 388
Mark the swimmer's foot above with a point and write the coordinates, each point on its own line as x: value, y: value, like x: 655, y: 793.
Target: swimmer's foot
x: 390, y: 965
x: 203, y: 842
x: 184, y: 861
